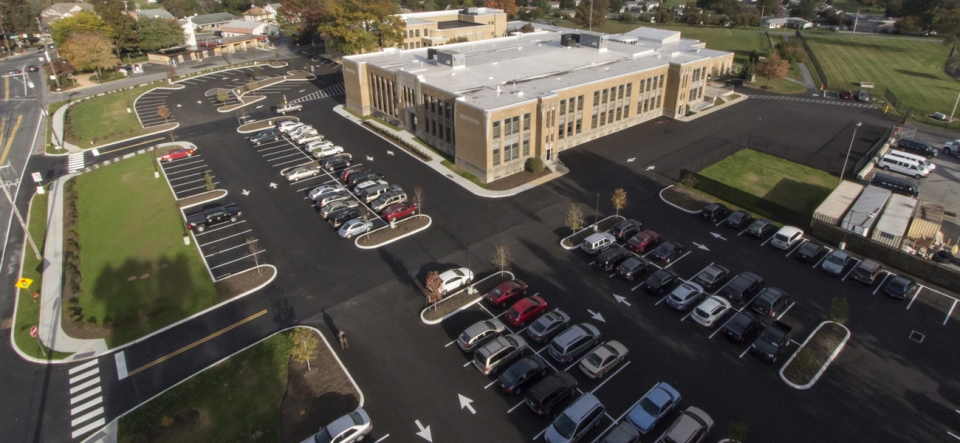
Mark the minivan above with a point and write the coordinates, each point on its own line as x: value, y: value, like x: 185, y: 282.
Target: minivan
x: 597, y: 242
x: 372, y: 193
x: 867, y: 271
x: 896, y: 184
x: 498, y: 352
x: 608, y: 260
x: 394, y: 196
x: 903, y: 166
x: 786, y: 237
x: 917, y: 147
x: 576, y: 420
x: 574, y: 341
x: 917, y: 158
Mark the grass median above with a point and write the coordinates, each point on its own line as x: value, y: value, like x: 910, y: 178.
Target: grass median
x: 137, y: 275
x: 104, y: 119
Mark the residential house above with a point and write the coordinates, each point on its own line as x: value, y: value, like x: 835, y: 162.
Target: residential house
x: 150, y: 13
x: 244, y: 27
x: 57, y: 11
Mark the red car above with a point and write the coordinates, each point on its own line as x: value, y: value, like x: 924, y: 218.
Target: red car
x: 177, y: 154
x: 846, y: 94
x: 525, y: 310
x: 399, y: 211
x: 345, y: 174
x: 641, y: 240
x: 505, y: 292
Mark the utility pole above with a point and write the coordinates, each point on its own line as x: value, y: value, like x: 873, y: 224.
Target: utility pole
x: 590, y: 24
x: 855, y: 21
x: 852, y: 138
x: 763, y: 8
x: 955, y: 107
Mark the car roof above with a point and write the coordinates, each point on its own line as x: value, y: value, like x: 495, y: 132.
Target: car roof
x: 581, y: 407
x: 692, y: 420
x: 551, y: 384
x: 599, y: 236
x: 789, y: 231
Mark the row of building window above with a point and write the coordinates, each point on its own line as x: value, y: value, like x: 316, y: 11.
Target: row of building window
x: 608, y: 115
x: 510, y: 152
x: 437, y: 115
x: 411, y: 45
x: 574, y: 102
x: 411, y: 33
x: 511, y: 126
x: 384, y: 94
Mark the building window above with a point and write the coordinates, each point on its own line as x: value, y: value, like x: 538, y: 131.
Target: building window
x: 596, y: 98
x: 496, y: 153
x: 571, y: 102
x: 418, y: 45
x: 526, y: 148
x: 604, y: 96
x: 515, y: 148
x: 645, y: 101
x: 610, y: 115
x: 593, y: 120
x: 658, y: 102
x: 563, y: 107
x: 496, y: 129
x: 620, y: 92
x: 569, y: 128
x: 580, y: 103
x: 426, y: 32
x: 629, y: 89
x: 562, y: 123
x: 603, y: 118
x: 661, y: 82
x: 619, y: 113
x: 416, y: 33
x: 626, y: 111
x: 579, y: 120
x: 516, y: 125
x: 526, y: 122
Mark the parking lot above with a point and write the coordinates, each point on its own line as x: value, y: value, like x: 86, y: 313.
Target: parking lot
x: 187, y: 175
x: 229, y: 248
x: 147, y: 104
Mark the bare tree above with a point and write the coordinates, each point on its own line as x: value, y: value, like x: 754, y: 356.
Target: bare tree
x: 223, y: 95
x: 502, y: 256
x: 418, y: 198
x: 164, y: 112
x: 434, y: 288
x: 619, y: 199
x: 773, y: 67
x: 575, y: 218
x: 252, y: 247
x: 304, y: 345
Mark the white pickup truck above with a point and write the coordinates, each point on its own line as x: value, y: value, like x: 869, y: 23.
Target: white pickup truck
x: 287, y: 107
x: 952, y: 148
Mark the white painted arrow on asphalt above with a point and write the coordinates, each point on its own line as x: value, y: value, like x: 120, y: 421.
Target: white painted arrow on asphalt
x: 302, y: 90
x: 596, y: 316
x: 650, y: 168
x: 258, y: 107
x: 702, y: 246
x: 631, y: 159
x: 465, y: 403
x: 246, y: 192
x: 715, y: 235
x: 274, y: 186
x: 199, y: 102
x: 621, y: 299
x: 424, y: 432
x: 389, y: 152
x: 369, y: 158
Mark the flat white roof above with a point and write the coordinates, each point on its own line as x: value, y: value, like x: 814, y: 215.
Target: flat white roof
x: 897, y: 214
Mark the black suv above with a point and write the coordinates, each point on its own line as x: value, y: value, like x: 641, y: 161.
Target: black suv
x: 741, y: 327
x: 738, y: 219
x: 771, y: 302
x: 335, y: 163
x: 900, y: 287
x: 632, y: 266
x: 713, y: 212
x: 742, y: 287
x: 610, y: 258
x: 522, y: 373
x: 550, y: 392
x: 917, y: 147
x: 712, y: 277
x: 810, y: 252
x: 625, y: 229
x: 760, y: 228
x: 338, y: 218
x: 867, y: 271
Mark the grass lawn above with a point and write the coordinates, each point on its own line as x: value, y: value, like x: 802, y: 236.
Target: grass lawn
x: 130, y: 228
x: 104, y: 119
x: 794, y: 186
x: 28, y: 308
x: 911, y: 69
x: 226, y: 403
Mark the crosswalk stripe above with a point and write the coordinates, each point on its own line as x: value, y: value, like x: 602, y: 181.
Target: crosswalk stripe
x: 75, y: 163
x: 86, y: 417
x: 88, y: 428
x: 86, y: 406
x: 85, y: 375
x: 88, y: 364
x: 84, y: 385
x: 85, y: 395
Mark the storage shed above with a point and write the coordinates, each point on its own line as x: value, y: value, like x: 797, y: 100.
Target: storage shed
x: 837, y: 203
x: 893, y: 224
x: 863, y: 214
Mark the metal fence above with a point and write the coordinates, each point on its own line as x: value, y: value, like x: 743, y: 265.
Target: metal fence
x: 745, y: 200
x: 813, y: 59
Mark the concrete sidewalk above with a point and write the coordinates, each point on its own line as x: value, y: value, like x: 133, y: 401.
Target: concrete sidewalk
x: 58, y: 130
x: 435, y: 162
x: 51, y: 301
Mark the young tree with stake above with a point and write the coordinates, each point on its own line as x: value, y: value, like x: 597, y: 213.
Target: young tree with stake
x: 304, y: 345
x: 501, y: 256
x: 619, y: 199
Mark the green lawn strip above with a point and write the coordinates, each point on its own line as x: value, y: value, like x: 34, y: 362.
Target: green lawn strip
x: 789, y: 184
x: 129, y: 227
x: 731, y: 206
x: 780, y: 85
x: 456, y: 169
x: 104, y: 119
x: 234, y: 400
x: 28, y: 308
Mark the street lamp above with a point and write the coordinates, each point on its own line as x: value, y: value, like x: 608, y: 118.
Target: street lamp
x: 845, y: 159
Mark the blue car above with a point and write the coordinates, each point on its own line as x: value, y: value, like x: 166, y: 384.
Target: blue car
x: 653, y: 406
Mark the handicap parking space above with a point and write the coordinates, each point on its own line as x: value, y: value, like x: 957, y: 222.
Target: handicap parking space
x: 187, y: 176
x: 228, y: 249
x: 147, y: 105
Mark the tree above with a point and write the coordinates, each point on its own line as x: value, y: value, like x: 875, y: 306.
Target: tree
x: 807, y: 10
x: 418, y: 198
x: 158, y: 33
x: 171, y: 71
x: 615, y: 6
x: 252, y: 248
x: 501, y: 256
x: 301, y: 18
x: 508, y: 6
x: 434, y: 287
x: 88, y: 52
x: 768, y: 7
x: 223, y: 95
x: 772, y: 67
x: 619, y: 199
x: 183, y: 8
x: 527, y: 27
x: 575, y: 218
x: 355, y: 26
x: 568, y: 4
x: 305, y: 345
x: 163, y: 112
x: 791, y: 50
x: 83, y: 22
x: 17, y: 16
x: 123, y: 28
x: 584, y: 19
x: 949, y: 27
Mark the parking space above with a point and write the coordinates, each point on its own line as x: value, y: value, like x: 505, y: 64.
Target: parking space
x: 147, y: 104
x: 187, y: 176
x: 229, y: 248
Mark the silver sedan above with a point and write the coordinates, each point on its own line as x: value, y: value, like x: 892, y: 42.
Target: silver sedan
x: 603, y: 359
x: 356, y: 226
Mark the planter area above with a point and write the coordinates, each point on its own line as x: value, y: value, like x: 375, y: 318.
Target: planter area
x: 463, y: 299
x: 814, y: 356
x: 386, y: 235
x: 603, y: 225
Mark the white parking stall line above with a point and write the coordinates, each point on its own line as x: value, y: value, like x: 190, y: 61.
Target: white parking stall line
x: 198, y: 187
x: 189, y: 182
x: 467, y: 363
x: 183, y: 162
x: 545, y: 360
x: 851, y: 270
x: 297, y: 153
x: 766, y: 241
x: 785, y: 311
x: 210, y: 231
x: 953, y: 435
x: 315, y: 185
x: 228, y: 249
x: 292, y: 161
x: 490, y: 384
x: 938, y: 292
x: 624, y: 365
x: 745, y: 351
x: 688, y: 314
x: 585, y: 354
x: 882, y: 282
x: 952, y: 307
x: 741, y: 232
x: 185, y: 177
x: 829, y: 251
x: 448, y: 344
x: 661, y: 300
x: 721, y: 326
x: 281, y: 144
x: 282, y: 151
x: 794, y: 249
x: 224, y: 238
x: 241, y: 258
x: 729, y: 280
x: 719, y: 223
x: 515, y: 407
x: 678, y: 259
x: 186, y: 170
x: 625, y: 412
x: 637, y: 286
x: 382, y: 438
x: 917, y: 292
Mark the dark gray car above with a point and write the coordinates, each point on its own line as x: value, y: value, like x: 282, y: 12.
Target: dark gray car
x: 573, y: 342
x: 836, y: 262
x: 548, y: 325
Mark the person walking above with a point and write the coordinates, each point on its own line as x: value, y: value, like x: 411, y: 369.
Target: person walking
x: 343, y: 339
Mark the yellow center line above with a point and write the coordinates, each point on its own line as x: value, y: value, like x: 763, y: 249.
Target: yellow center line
x: 6, y: 88
x: 3, y: 122
x: 6, y: 149
x: 196, y: 343
x: 131, y: 146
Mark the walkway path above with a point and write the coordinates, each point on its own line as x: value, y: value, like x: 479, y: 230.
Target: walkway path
x: 807, y: 78
x: 58, y: 118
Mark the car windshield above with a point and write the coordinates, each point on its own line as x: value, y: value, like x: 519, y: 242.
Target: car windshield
x: 767, y: 337
x: 564, y: 426
x: 496, y: 291
x: 836, y: 259
x: 649, y: 407
x: 701, y: 313
x: 540, y: 325
x: 509, y: 377
x: 323, y: 436
x: 513, y: 313
x: 594, y: 360
x: 809, y: 248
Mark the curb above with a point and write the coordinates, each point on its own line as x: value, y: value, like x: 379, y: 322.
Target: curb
x: 357, y: 241
x: 272, y: 120
x: 225, y: 193
x: 674, y: 205
x: 713, y: 109
x: 224, y: 110
x: 826, y: 364
x: 471, y: 303
x: 584, y: 229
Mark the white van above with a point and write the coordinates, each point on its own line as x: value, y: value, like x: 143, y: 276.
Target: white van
x: 917, y: 158
x: 903, y: 166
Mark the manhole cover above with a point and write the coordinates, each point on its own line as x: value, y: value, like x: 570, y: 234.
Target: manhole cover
x: 916, y: 336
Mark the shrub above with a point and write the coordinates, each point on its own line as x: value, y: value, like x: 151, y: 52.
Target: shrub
x: 92, y: 319
x: 535, y: 165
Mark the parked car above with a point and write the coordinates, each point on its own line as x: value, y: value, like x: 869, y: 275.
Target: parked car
x: 684, y: 296
x: 738, y: 219
x: 742, y: 287
x: 741, y: 327
x: 301, y: 172
x: 399, y: 211
x: 453, y: 279
x: 325, y: 163
x: 810, y: 252
x: 264, y: 136
x: 308, y: 137
x: 301, y: 130
x: 320, y: 191
x: 867, y: 271
x: 176, y: 154
x: 573, y: 342
x: 391, y: 197
x: 631, y: 267
x: 287, y: 125
x: 506, y: 292
x: 14, y: 72
x: 760, y: 228
x: 596, y: 243
x: 603, y: 359
x: 336, y: 163
x: 772, y: 342
x: 667, y: 251
x: 653, y: 406
x: 692, y: 426
x: 836, y: 262
x: 525, y: 310
x: 286, y: 108
x: 642, y: 240
x: 660, y: 281
x: 952, y: 147
x: 625, y: 229
x: 608, y: 260
x: 523, y: 373
x: 575, y: 421
x: 786, y: 237
x: 736, y: 82
x: 33, y: 68
x: 770, y: 302
x: 712, y: 277
x: 342, y: 216
x: 212, y: 215
x: 327, y: 151
x: 498, y: 352
x: 863, y: 96
x: 479, y: 333
x: 347, y: 429
x: 900, y: 287
x: 317, y: 144
x: 713, y: 212
x: 711, y: 310
x: 548, y: 325
x: 550, y: 392
x: 358, y: 177
x: 846, y: 94
x: 328, y: 198
x: 366, y: 184
x: 346, y: 173
x: 623, y: 433
x: 356, y: 226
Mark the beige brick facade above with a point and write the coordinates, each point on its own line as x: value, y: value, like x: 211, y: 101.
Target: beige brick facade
x: 426, y: 29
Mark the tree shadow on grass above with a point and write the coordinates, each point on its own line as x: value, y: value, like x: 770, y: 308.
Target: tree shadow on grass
x: 918, y: 74
x: 796, y: 195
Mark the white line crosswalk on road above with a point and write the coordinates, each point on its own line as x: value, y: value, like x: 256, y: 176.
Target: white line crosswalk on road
x: 87, y: 412
x: 75, y: 162
x: 813, y: 100
x: 331, y: 91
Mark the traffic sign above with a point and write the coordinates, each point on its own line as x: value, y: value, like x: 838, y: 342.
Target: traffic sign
x: 24, y: 283
x: 33, y: 331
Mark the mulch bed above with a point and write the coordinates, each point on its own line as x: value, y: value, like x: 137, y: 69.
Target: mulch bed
x: 685, y: 198
x: 202, y: 198
x: 518, y: 179
x: 299, y: 74
x: 316, y: 397
x: 453, y: 303
x: 383, y: 235
x: 602, y: 226
x: 239, y: 283
x: 822, y: 346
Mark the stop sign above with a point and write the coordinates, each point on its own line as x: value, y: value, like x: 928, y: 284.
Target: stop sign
x: 33, y: 331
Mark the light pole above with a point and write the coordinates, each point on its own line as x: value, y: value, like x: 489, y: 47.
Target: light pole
x: 954, y: 107
x: 590, y: 25
x: 845, y: 159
